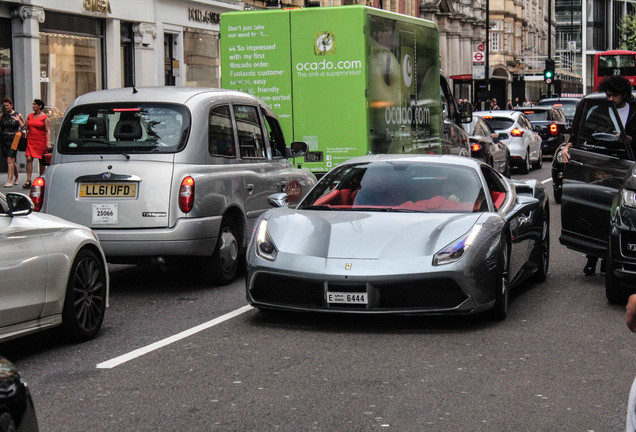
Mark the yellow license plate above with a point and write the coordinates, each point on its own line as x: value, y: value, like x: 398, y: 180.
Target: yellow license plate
x: 100, y: 190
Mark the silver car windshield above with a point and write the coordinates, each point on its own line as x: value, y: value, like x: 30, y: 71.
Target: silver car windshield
x: 399, y: 186
x: 130, y: 128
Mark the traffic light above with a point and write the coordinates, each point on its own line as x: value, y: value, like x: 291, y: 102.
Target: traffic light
x: 548, y: 72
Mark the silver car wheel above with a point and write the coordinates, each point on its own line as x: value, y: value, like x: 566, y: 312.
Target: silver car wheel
x: 85, y: 302
x: 228, y: 250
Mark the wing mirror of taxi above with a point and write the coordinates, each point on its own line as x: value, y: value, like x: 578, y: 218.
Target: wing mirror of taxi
x: 19, y: 204
x: 537, y: 129
x: 278, y: 200
x: 298, y: 149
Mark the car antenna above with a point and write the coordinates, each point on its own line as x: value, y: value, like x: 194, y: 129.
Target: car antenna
x: 134, y: 89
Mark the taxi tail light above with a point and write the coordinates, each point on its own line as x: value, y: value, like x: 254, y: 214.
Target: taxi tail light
x: 37, y: 193
x: 554, y: 129
x: 475, y: 147
x: 516, y: 132
x: 186, y: 194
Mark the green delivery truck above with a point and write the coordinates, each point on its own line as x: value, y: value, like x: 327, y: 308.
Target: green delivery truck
x: 348, y: 80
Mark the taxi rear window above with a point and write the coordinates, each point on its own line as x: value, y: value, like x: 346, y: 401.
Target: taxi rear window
x: 131, y: 128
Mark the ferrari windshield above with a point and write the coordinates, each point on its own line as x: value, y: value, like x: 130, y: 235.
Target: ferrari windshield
x: 399, y: 186
x: 125, y: 128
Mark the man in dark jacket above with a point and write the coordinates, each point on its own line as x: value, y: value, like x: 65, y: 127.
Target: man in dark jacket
x: 618, y: 89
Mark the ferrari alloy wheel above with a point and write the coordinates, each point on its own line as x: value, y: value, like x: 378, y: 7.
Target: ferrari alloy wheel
x: 541, y: 253
x: 525, y: 165
x: 221, y: 268
x: 614, y: 290
x: 85, y: 301
x: 502, y: 285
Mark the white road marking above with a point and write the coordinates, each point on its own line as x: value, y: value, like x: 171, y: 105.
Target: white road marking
x: 109, y: 364
x: 548, y: 180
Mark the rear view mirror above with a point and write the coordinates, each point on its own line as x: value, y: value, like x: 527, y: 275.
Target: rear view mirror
x: 19, y: 204
x: 298, y: 149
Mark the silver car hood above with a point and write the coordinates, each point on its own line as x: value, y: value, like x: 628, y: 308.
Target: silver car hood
x: 365, y: 235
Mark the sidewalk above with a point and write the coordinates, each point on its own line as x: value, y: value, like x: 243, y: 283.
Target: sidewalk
x: 14, y: 188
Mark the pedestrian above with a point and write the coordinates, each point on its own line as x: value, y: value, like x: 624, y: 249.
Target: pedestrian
x: 38, y: 139
x: 526, y: 102
x: 493, y: 104
x: 630, y: 318
x: 10, y: 123
x: 618, y: 90
x: 460, y: 101
x: 517, y: 103
x: 509, y: 104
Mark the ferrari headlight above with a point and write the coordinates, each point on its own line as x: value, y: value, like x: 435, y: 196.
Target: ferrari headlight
x: 629, y: 198
x: 458, y: 248
x: 265, y: 247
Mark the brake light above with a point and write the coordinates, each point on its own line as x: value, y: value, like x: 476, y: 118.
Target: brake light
x: 186, y: 194
x: 554, y: 129
x: 37, y: 193
x: 516, y: 132
x: 475, y: 147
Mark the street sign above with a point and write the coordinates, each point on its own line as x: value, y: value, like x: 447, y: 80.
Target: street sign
x: 479, y: 71
x: 478, y: 57
x: 481, y: 47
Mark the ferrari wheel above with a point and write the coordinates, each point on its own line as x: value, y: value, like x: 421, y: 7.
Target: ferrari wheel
x: 85, y: 300
x: 614, y: 290
x: 502, y: 285
x: 542, y: 250
x: 221, y: 268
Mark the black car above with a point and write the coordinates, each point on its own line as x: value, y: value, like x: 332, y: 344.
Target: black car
x: 550, y: 124
x: 486, y: 145
x: 565, y: 104
x: 16, y: 406
x: 598, y: 203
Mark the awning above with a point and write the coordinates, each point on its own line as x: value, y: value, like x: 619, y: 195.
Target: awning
x: 461, y: 77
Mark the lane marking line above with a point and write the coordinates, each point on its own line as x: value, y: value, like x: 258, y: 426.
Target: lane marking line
x: 109, y: 364
x: 548, y: 180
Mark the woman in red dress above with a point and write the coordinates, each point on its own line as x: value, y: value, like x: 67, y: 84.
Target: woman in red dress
x: 38, y: 128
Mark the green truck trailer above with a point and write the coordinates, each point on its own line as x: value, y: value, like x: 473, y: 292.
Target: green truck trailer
x: 349, y: 80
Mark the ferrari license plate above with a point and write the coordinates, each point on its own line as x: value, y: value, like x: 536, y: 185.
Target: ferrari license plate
x: 347, y: 298
x: 107, y: 190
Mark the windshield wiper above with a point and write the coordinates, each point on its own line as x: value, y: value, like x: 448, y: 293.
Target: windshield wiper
x: 109, y: 144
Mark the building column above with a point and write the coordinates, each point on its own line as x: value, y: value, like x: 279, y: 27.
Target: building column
x: 113, y: 56
x: 145, y: 38
x: 26, y: 22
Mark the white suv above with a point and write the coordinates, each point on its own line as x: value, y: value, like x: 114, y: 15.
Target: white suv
x: 522, y: 139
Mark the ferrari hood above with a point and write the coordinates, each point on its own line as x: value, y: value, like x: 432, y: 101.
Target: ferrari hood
x: 365, y: 235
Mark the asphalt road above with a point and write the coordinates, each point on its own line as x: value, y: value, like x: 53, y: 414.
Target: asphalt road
x: 563, y: 361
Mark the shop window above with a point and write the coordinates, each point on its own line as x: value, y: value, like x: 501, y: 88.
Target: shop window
x: 6, y: 82
x: 201, y: 58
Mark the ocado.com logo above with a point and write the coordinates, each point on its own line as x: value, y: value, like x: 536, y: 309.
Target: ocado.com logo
x: 324, y: 43
x: 407, y: 70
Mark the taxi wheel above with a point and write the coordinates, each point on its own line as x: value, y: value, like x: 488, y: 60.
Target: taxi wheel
x: 502, y: 285
x: 85, y: 300
x: 221, y: 268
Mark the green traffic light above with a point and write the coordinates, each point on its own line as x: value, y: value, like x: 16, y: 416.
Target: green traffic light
x: 548, y: 74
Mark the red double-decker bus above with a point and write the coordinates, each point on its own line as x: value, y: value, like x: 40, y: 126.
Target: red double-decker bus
x: 615, y: 62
